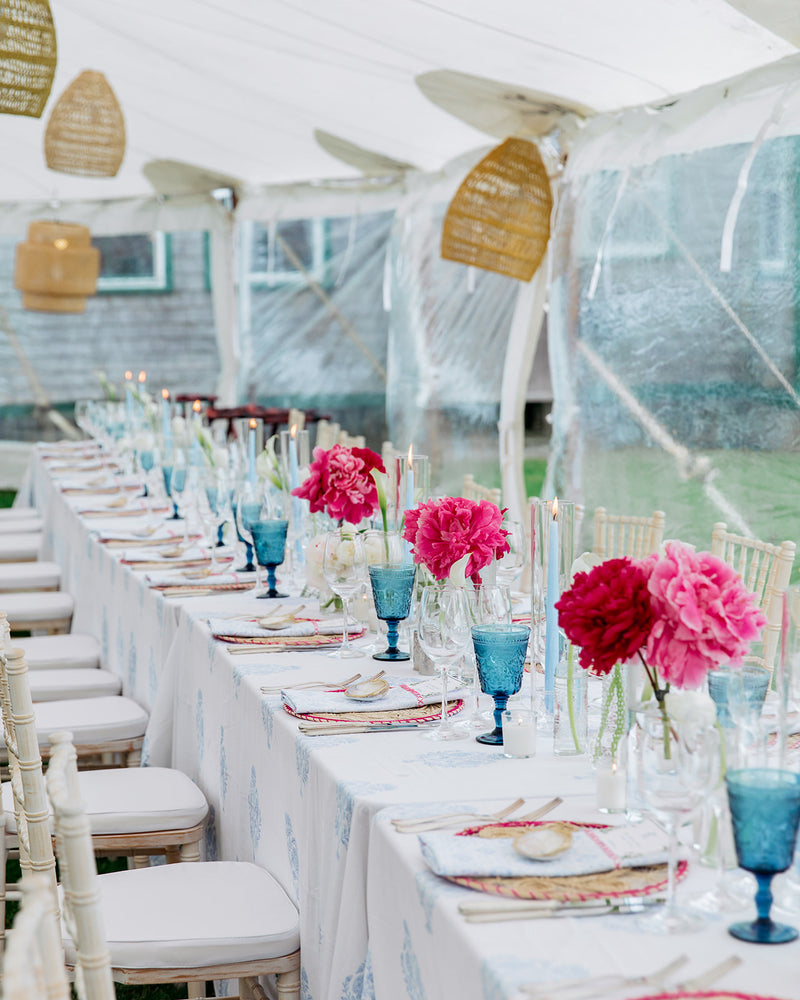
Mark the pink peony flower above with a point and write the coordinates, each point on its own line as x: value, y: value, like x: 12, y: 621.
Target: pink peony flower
x: 607, y: 612
x: 704, y: 615
x: 444, y: 531
x: 340, y: 483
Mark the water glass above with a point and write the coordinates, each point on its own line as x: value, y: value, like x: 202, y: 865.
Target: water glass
x: 500, y: 658
x: 443, y: 632
x: 765, y: 809
x: 344, y: 566
x: 269, y: 541
x: 392, y: 588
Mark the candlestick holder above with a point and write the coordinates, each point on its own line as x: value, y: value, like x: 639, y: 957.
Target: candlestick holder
x: 552, y: 555
x: 413, y: 491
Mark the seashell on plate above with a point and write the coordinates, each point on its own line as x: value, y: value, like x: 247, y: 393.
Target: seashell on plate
x: 368, y: 690
x: 117, y: 502
x: 543, y: 842
x: 171, y: 553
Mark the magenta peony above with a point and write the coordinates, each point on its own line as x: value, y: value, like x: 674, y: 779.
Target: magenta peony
x: 444, y: 531
x: 607, y: 612
x: 340, y: 483
x: 704, y: 616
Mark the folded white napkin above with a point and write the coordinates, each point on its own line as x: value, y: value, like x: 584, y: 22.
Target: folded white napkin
x: 179, y: 579
x: 250, y: 630
x: 405, y: 692
x: 591, y: 851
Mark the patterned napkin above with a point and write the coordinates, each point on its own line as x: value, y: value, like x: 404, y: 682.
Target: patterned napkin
x: 205, y: 582
x: 405, y: 692
x: 592, y: 851
x: 302, y: 629
x: 145, y: 555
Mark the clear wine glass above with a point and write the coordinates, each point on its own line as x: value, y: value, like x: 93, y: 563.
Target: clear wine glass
x: 246, y: 506
x: 676, y: 771
x: 344, y: 566
x: 443, y: 626
x: 489, y: 604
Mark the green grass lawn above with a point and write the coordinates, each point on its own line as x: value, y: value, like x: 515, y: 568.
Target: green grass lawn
x: 7, y: 498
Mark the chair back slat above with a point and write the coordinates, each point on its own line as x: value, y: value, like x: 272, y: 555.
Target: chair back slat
x: 471, y: 490
x: 32, y: 967
x: 82, y: 905
x: 617, y: 535
x: 765, y: 570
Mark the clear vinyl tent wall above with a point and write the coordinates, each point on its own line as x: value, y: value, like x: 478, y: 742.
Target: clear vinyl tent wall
x: 674, y: 314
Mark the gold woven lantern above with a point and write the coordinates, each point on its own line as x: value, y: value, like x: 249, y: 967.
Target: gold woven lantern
x: 85, y: 133
x: 499, y: 219
x: 56, y: 267
x: 27, y: 56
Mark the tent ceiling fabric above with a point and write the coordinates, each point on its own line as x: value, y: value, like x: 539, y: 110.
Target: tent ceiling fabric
x: 238, y: 88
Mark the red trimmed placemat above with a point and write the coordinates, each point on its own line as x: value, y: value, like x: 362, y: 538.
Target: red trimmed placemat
x: 643, y: 881
x: 296, y: 641
x: 422, y: 713
x: 189, y: 585
x: 709, y: 995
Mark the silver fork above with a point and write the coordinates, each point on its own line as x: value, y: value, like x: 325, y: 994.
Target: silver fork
x: 428, y: 823
x: 306, y: 685
x: 600, y: 986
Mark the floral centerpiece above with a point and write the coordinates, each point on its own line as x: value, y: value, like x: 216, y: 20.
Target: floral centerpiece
x: 680, y: 614
x: 454, y: 534
x: 341, y: 483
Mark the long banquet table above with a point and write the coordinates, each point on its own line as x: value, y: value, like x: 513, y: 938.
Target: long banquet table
x: 315, y: 810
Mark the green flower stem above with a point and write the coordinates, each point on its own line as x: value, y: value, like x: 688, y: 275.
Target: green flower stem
x: 570, y: 691
x: 659, y: 693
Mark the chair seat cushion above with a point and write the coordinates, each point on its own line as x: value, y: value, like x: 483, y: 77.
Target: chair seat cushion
x: 17, y: 513
x: 90, y: 720
x: 29, y: 575
x: 38, y: 606
x: 15, y: 546
x: 60, y: 651
x: 195, y: 916
x: 21, y: 524
x: 132, y: 800
x: 56, y: 685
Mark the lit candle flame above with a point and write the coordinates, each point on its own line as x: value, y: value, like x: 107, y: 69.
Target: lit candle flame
x: 165, y: 393
x: 128, y: 376
x: 555, y: 508
x: 293, y: 430
x: 410, y: 455
x: 142, y: 376
x: 196, y: 406
x: 253, y: 424
x: 61, y: 243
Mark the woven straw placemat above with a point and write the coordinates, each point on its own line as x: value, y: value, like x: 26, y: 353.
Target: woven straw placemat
x: 709, y: 995
x: 190, y: 585
x: 295, y: 641
x: 602, y: 885
x: 422, y: 713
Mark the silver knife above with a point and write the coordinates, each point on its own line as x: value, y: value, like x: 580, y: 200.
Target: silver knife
x: 547, y: 908
x: 346, y: 728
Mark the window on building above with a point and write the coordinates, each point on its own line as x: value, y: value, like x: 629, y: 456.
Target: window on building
x: 134, y: 262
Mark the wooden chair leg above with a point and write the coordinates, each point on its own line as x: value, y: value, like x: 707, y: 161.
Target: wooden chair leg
x: 141, y: 861
x: 288, y: 984
x: 190, y: 852
x: 172, y: 854
x: 133, y: 758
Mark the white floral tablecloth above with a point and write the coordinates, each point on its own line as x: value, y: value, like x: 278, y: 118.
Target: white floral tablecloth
x: 375, y: 923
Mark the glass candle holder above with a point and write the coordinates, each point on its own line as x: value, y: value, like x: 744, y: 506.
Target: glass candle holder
x: 519, y: 733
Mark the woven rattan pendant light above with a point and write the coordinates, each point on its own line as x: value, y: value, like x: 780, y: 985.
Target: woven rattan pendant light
x: 499, y: 219
x: 27, y: 56
x: 56, y: 267
x: 85, y: 133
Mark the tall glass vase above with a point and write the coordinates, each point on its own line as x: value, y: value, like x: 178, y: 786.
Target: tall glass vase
x: 613, y: 729
x: 571, y: 722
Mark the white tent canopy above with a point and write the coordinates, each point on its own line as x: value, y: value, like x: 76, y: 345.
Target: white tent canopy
x: 238, y: 88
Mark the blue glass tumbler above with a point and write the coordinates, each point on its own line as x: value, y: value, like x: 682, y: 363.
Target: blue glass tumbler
x: 269, y: 539
x: 500, y: 657
x: 765, y: 810
x: 392, y: 587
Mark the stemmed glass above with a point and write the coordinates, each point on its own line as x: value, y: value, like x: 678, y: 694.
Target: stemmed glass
x: 489, y: 604
x: 269, y: 538
x: 392, y: 581
x: 500, y: 658
x: 174, y: 472
x: 443, y: 632
x: 510, y: 567
x: 765, y: 809
x: 246, y: 506
x: 676, y: 770
x: 146, y: 460
x: 344, y: 566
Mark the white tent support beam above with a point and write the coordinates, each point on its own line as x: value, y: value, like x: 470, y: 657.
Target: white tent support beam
x: 526, y: 325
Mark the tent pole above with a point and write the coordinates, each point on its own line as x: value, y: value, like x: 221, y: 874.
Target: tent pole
x: 526, y: 325
x: 223, y: 296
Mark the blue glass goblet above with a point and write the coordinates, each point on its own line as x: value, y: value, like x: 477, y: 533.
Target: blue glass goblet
x: 738, y: 693
x: 765, y: 809
x: 500, y: 657
x: 269, y: 538
x: 146, y: 460
x: 392, y: 587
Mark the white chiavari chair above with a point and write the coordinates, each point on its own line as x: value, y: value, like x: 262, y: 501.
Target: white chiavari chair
x: 33, y: 964
x: 765, y: 570
x: 617, y: 535
x: 172, y: 923
x: 134, y: 812
x: 471, y: 490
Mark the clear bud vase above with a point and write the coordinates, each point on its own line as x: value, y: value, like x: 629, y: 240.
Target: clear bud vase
x: 613, y: 728
x: 571, y: 722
